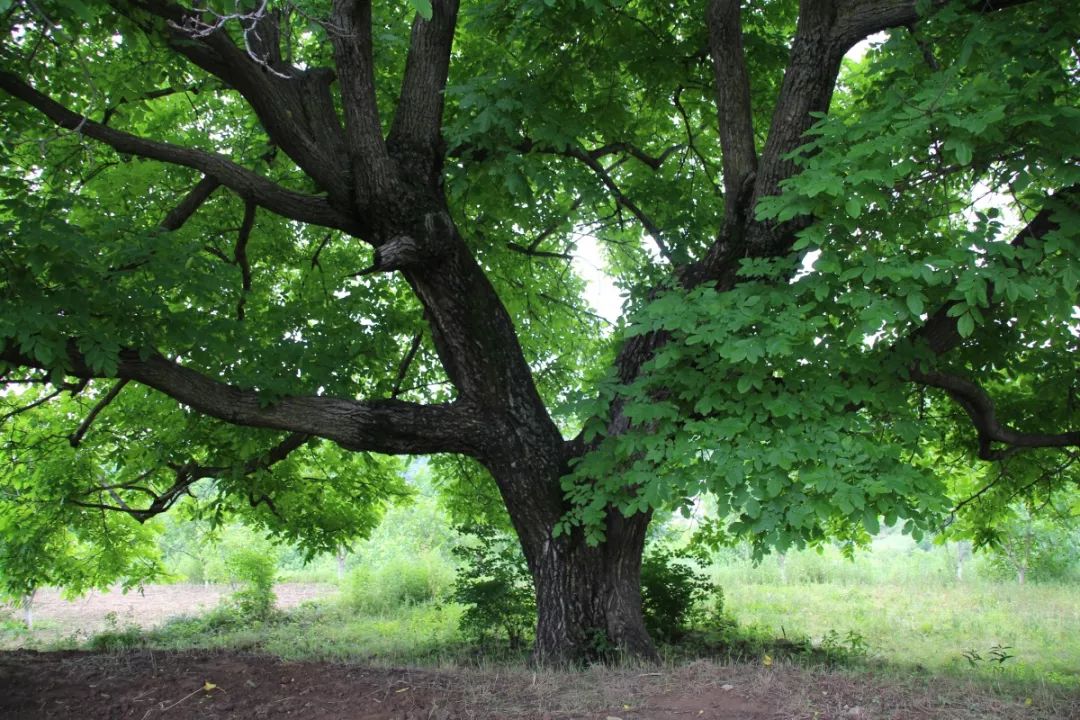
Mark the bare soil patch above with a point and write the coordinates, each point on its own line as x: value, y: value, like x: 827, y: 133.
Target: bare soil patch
x: 56, y: 618
x: 149, y: 685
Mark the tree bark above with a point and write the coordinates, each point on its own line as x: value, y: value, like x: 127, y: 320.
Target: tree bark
x: 588, y: 598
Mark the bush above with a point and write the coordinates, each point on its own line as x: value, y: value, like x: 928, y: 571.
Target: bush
x: 495, y: 586
x: 254, y: 570
x: 397, y: 582
x: 115, y: 636
x: 672, y: 593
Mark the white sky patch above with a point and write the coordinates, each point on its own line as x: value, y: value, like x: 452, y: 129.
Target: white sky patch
x: 858, y: 50
x: 602, y: 295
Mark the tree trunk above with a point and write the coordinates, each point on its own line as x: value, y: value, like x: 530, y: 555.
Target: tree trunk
x: 340, y: 557
x: 27, y: 603
x: 588, y: 599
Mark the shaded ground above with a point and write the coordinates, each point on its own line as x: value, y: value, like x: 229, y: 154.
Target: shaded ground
x: 175, y: 686
x: 57, y: 619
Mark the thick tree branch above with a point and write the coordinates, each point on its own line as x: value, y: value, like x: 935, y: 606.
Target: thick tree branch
x: 941, y: 334
x: 350, y: 36
x: 858, y: 19
x: 416, y: 130
x: 825, y: 31
x: 387, y: 426
x: 191, y: 202
x: 295, y: 106
x: 807, y: 88
x: 732, y: 102
x: 247, y: 184
x: 979, y: 407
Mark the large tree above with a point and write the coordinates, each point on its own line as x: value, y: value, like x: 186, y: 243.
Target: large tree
x: 239, y: 229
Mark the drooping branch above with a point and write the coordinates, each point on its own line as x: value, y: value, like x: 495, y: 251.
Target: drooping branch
x: 941, y: 334
x: 621, y: 199
x: 35, y: 404
x: 979, y: 406
x: 247, y: 184
x: 732, y: 102
x: 240, y: 257
x: 387, y: 426
x: 186, y: 475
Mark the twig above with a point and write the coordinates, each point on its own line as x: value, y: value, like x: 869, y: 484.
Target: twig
x: 76, y: 437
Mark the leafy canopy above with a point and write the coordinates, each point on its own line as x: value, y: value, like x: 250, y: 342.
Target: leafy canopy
x: 787, y: 398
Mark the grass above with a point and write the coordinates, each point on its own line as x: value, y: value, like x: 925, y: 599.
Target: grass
x: 423, y: 634
x: 930, y: 627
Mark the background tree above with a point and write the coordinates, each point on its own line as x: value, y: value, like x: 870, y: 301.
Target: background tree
x: 278, y: 224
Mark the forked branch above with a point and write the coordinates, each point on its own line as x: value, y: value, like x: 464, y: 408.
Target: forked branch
x: 188, y: 474
x: 417, y: 125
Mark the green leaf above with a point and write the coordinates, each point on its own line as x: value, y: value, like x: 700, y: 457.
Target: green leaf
x: 915, y: 303
x: 963, y: 152
x: 965, y: 325
x: 423, y: 7
x: 853, y: 206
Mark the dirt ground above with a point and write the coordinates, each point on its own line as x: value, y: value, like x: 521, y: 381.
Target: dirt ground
x: 57, y: 619
x: 147, y: 685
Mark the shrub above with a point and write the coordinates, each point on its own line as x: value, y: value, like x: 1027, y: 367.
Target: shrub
x: 397, y: 582
x: 254, y: 570
x: 672, y: 593
x: 495, y: 586
x: 116, y: 637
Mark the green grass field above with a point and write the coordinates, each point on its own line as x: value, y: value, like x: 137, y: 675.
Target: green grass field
x: 932, y: 627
